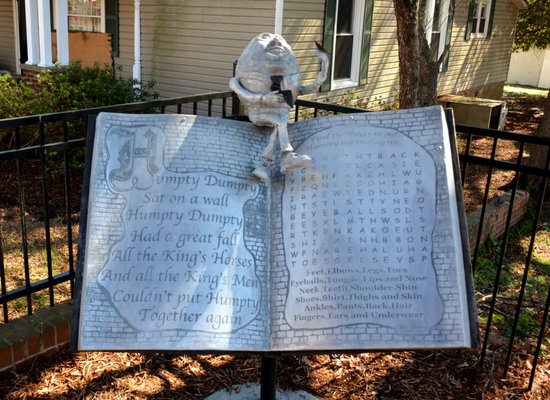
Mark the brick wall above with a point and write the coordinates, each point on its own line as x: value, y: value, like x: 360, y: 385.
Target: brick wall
x: 29, y: 73
x: 32, y: 338
x: 496, y: 214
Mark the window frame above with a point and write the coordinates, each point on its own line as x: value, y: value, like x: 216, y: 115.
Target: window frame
x: 363, y: 52
x: 476, y: 34
x: 102, y: 19
x: 110, y: 12
x: 444, y: 29
x: 474, y: 8
x: 356, y: 30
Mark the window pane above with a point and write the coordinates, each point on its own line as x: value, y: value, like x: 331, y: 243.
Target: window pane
x: 342, y: 57
x: 84, y: 15
x: 483, y: 10
x: 481, y: 28
x: 434, y: 45
x: 86, y: 24
x: 345, y: 16
x: 436, y: 24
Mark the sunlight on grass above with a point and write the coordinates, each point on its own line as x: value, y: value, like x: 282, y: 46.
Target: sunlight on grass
x: 14, y: 263
x: 512, y: 273
x: 528, y: 90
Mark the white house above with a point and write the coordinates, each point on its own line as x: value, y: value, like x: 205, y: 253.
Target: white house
x: 190, y: 46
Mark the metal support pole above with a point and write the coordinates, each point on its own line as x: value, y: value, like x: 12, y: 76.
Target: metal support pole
x: 268, y: 385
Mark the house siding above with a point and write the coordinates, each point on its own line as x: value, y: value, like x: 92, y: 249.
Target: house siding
x: 479, y: 67
x: 303, y: 25
x: 190, y: 47
x: 7, y: 37
x: 125, y: 37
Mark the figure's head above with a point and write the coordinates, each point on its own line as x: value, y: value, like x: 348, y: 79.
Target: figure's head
x: 274, y: 46
x: 269, y: 52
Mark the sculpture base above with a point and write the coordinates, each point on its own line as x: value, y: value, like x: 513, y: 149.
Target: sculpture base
x: 251, y: 391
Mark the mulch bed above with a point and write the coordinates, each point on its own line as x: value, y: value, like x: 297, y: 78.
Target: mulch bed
x: 449, y: 374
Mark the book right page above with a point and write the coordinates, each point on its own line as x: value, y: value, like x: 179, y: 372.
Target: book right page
x: 371, y: 254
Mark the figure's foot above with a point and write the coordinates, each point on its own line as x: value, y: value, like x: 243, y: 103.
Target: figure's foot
x: 291, y: 161
x: 262, y: 172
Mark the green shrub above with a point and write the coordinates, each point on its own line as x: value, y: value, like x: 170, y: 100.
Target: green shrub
x: 17, y: 98
x: 70, y: 88
x: 75, y: 87
x: 61, y: 89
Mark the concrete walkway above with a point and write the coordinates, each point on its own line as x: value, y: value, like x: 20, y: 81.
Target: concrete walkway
x: 252, y: 392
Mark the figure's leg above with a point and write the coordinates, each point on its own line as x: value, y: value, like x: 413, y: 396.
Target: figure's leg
x: 270, y: 148
x: 263, y: 170
x: 289, y: 159
x: 283, y: 138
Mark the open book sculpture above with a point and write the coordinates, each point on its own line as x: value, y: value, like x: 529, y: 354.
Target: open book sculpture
x: 185, y: 250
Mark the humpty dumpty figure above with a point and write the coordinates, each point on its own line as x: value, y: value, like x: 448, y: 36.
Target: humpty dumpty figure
x: 267, y: 81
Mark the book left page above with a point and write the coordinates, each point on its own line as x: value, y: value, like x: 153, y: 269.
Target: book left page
x: 176, y: 240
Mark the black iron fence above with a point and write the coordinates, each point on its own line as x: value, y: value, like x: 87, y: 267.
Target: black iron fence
x: 513, y: 300
x: 40, y: 189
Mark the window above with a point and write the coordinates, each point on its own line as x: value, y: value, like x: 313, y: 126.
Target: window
x: 95, y: 16
x: 86, y: 15
x: 347, y: 40
x: 438, y: 22
x: 480, y: 19
x: 434, y: 40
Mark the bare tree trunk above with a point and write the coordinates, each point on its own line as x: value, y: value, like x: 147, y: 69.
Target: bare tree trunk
x: 417, y: 71
x: 538, y: 154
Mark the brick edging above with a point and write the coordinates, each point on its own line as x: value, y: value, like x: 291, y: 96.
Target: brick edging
x: 495, y: 217
x: 28, y: 339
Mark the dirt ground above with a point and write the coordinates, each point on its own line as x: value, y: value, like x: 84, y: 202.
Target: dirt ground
x: 450, y: 374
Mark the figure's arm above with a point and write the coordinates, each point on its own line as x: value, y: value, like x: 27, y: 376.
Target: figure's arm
x: 246, y: 96
x: 321, y: 75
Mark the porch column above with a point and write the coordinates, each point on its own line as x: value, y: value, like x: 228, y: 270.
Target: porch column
x: 136, y: 69
x: 45, y: 33
x: 279, y: 5
x: 62, y: 32
x: 31, y: 20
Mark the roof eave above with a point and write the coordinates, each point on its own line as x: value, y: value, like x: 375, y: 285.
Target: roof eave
x: 520, y: 4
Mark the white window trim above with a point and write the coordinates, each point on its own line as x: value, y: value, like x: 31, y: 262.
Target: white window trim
x: 358, y: 18
x: 443, y: 23
x: 103, y: 18
x: 480, y: 35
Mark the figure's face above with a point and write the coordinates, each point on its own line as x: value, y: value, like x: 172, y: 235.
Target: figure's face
x: 266, y: 55
x: 269, y: 47
x: 274, y: 46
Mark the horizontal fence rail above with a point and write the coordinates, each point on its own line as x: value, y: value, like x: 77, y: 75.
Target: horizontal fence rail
x: 42, y: 161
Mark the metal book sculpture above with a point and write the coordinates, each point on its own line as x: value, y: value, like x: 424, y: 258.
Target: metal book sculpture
x: 182, y: 248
